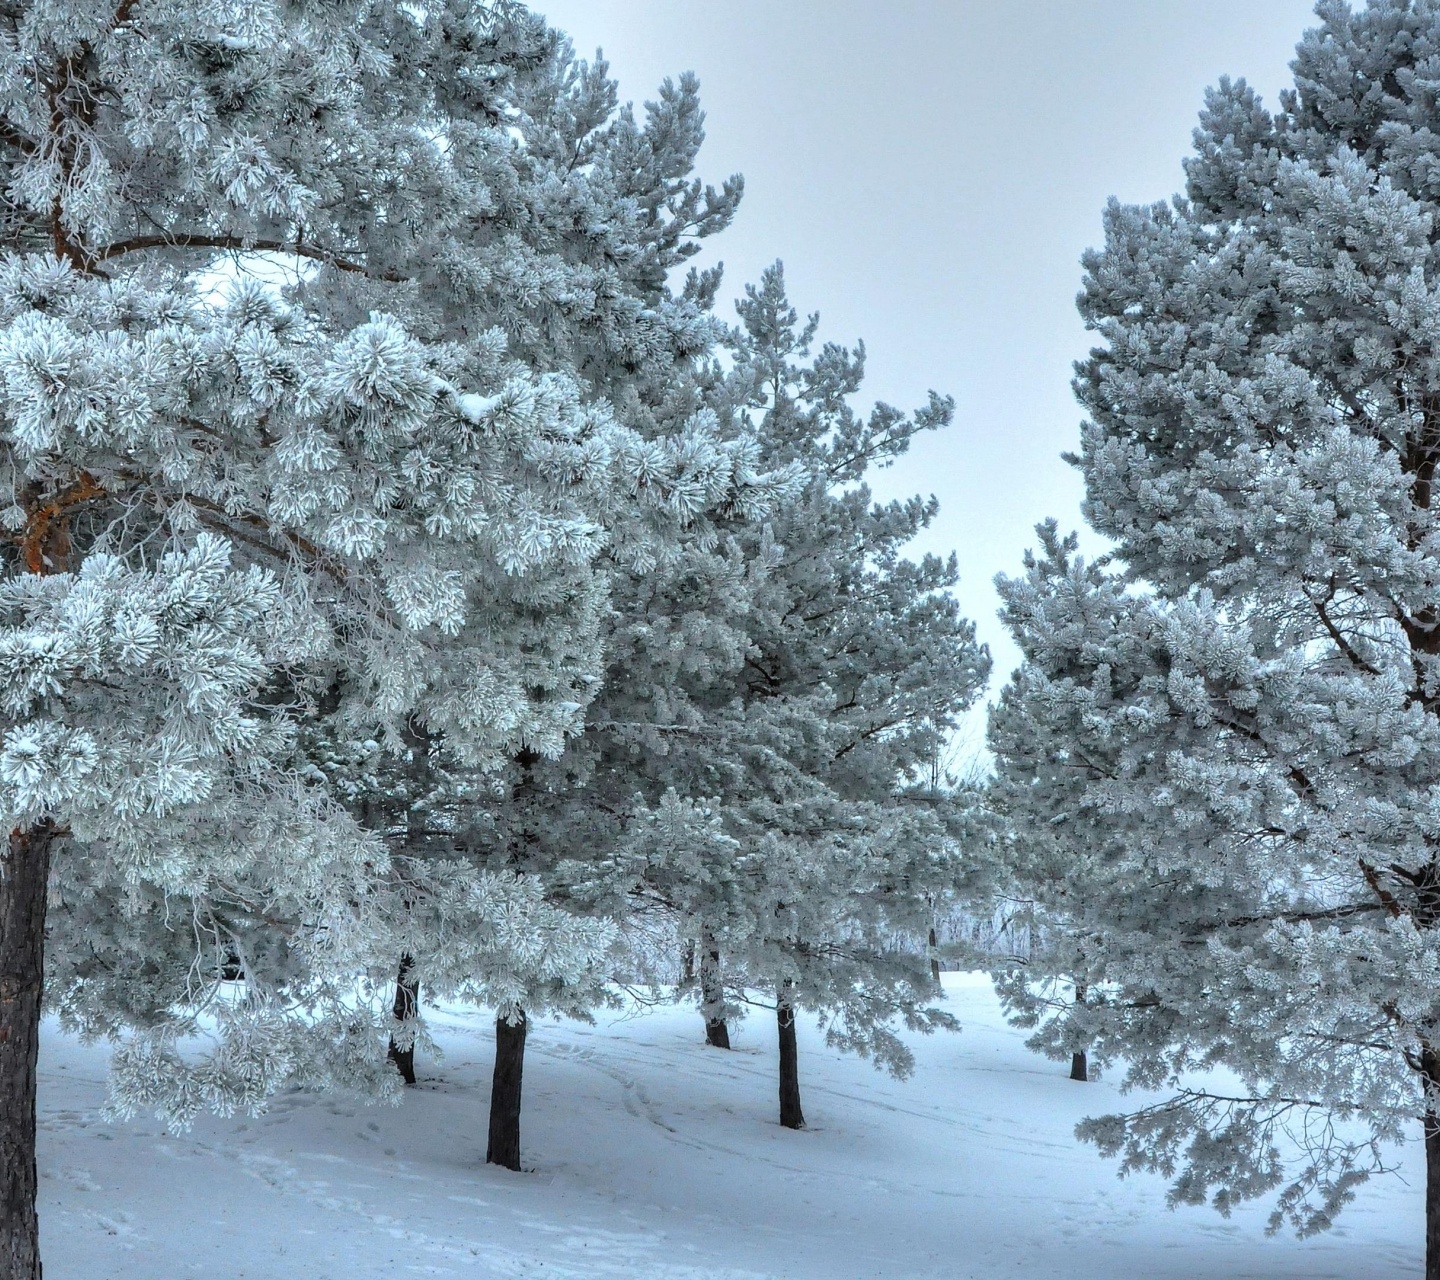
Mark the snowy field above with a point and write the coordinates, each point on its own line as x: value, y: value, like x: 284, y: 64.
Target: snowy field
x: 653, y: 1156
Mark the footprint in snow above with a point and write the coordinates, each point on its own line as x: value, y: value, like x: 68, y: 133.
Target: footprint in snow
x: 81, y: 1180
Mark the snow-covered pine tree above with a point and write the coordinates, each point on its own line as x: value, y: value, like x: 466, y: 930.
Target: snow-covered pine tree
x: 858, y: 664
x: 597, y: 208
x: 1244, y: 748
x: 771, y: 706
x: 236, y: 508
x: 1048, y: 852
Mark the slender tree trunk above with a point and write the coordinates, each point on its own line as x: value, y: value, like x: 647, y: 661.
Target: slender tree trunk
x: 1432, y: 1194
x: 712, y: 997
x: 407, y: 1004
x: 934, y: 959
x: 790, y: 1114
x: 1430, y: 1075
x: 504, y: 1148
x: 24, y: 876
x: 1079, y: 1065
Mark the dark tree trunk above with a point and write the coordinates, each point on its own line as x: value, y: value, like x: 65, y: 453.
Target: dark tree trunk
x: 1430, y: 1068
x: 1079, y: 1064
x: 504, y: 1148
x: 790, y: 1114
x: 1432, y: 1195
x: 23, y: 880
x: 407, y: 1004
x: 712, y: 999
x: 934, y: 959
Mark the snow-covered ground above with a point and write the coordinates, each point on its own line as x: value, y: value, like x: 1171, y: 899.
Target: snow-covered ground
x: 653, y: 1156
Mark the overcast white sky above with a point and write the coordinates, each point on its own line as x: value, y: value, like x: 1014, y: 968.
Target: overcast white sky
x: 930, y: 172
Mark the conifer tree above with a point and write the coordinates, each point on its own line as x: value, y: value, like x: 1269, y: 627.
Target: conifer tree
x: 599, y: 208
x: 272, y: 467
x: 1232, y: 733
x: 858, y: 664
x: 772, y: 705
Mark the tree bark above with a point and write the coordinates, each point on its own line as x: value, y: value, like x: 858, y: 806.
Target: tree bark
x: 712, y: 998
x: 24, y: 883
x: 407, y: 1003
x: 1430, y: 1076
x: 791, y: 1117
x: 1079, y: 1064
x: 24, y: 877
x: 1432, y: 1194
x: 504, y: 1148
x: 934, y: 959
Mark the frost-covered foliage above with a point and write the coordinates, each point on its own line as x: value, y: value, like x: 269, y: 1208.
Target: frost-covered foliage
x: 589, y: 212
x: 1222, y: 757
x: 754, y: 768
x: 303, y: 318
